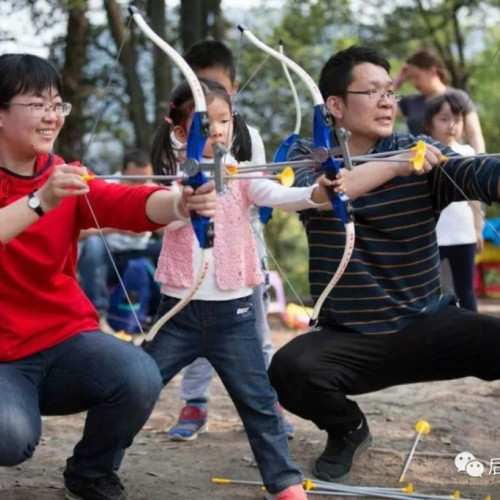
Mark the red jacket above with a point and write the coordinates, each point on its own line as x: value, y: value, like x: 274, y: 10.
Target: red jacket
x: 41, y: 303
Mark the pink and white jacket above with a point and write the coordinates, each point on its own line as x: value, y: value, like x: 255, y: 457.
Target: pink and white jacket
x: 236, y: 267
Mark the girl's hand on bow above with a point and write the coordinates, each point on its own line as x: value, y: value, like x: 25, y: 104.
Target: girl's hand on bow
x: 203, y: 200
x: 339, y: 184
x: 320, y: 193
x: 64, y: 181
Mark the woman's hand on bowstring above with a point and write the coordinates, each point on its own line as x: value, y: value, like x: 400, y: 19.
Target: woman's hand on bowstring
x: 64, y: 181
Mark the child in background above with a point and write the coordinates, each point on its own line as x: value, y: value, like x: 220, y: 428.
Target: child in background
x: 219, y: 324
x: 96, y: 271
x: 460, y: 225
x: 211, y: 59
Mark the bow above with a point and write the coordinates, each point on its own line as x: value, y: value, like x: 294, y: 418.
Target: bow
x: 198, y: 133
x: 322, y: 131
x: 281, y: 153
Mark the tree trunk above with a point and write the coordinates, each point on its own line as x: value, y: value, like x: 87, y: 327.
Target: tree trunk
x: 128, y: 57
x: 463, y: 76
x: 191, y: 22
x: 217, y: 24
x: 199, y: 20
x: 162, y: 69
x: 70, y: 144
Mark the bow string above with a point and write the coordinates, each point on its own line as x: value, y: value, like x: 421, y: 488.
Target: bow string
x: 322, y: 133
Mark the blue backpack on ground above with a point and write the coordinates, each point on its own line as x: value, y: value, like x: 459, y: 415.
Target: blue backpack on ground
x: 138, y: 279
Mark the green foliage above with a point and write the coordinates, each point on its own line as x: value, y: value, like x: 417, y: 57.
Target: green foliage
x: 311, y: 31
x: 441, y: 25
x: 288, y: 254
x: 486, y: 93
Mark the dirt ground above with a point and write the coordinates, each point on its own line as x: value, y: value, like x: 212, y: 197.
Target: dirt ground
x: 463, y: 415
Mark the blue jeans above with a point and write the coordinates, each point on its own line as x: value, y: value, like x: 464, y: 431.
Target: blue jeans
x: 461, y: 259
x: 116, y: 382
x: 197, y: 376
x: 224, y: 333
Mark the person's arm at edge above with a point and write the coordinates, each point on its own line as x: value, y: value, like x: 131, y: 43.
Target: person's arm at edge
x: 477, y: 212
x: 474, y: 132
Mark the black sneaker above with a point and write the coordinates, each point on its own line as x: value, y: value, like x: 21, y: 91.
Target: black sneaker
x: 103, y: 488
x: 335, y: 463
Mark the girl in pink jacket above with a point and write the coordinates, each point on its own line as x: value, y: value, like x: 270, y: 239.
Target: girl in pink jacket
x: 219, y: 322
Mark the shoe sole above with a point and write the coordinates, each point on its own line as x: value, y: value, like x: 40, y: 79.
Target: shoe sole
x: 202, y: 430
x: 360, y: 449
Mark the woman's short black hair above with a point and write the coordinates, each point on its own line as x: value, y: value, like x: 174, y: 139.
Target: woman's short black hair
x: 26, y: 73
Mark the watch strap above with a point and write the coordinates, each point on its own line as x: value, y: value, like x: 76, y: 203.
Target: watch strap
x: 36, y: 208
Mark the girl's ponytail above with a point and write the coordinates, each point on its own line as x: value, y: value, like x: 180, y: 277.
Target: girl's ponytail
x: 163, y: 157
x: 242, y: 143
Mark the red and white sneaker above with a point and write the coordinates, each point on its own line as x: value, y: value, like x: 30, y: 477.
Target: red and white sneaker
x: 295, y: 492
x: 192, y: 421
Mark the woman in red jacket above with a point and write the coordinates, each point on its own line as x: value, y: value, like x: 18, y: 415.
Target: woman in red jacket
x: 53, y: 358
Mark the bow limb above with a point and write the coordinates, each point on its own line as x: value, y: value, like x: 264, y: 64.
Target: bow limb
x: 281, y: 153
x: 202, y: 274
x: 350, y: 236
x: 198, y: 133
x: 322, y: 132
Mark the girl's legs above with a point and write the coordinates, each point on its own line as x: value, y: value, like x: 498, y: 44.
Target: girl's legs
x: 461, y: 258
x: 234, y: 350
x: 180, y: 341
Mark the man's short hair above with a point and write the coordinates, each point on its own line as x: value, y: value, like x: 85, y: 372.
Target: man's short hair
x: 336, y: 74
x: 211, y: 54
x: 137, y: 156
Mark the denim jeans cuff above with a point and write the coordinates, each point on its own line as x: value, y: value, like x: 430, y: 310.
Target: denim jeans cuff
x: 284, y: 484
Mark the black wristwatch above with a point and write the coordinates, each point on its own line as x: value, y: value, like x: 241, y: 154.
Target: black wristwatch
x: 34, y: 204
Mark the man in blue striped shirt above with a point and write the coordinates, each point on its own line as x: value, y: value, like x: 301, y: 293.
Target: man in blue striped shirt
x: 386, y: 322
